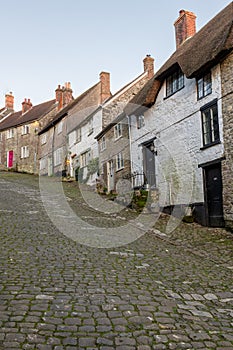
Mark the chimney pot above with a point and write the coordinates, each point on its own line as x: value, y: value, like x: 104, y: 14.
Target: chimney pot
x: 26, y: 105
x: 185, y: 26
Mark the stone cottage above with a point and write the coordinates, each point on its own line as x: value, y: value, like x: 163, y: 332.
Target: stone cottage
x: 183, y: 146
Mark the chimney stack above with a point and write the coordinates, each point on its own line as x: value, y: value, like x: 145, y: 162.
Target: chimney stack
x: 9, y: 101
x: 64, y: 95
x: 67, y: 94
x: 149, y: 66
x: 185, y: 26
x: 105, y: 92
x: 26, y: 105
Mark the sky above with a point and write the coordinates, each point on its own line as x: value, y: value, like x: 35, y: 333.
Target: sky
x: 49, y: 42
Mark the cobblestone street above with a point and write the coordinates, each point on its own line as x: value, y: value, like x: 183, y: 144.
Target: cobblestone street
x: 163, y: 291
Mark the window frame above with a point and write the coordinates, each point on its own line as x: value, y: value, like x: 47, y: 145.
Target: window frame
x: 44, y: 138
x: 10, y: 133
x: 25, y: 129
x: 24, y: 152
x: 90, y: 127
x: 78, y: 135
x: 118, y: 132
x: 204, y: 85
x: 119, y: 161
x: 58, y: 156
x: 210, y: 124
x: 140, y: 121
x: 103, y: 143
x: 60, y: 127
x: 174, y: 82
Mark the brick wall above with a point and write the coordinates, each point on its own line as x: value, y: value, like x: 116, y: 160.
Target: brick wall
x: 227, y: 111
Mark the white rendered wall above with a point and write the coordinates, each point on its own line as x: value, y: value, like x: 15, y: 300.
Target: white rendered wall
x: 176, y: 123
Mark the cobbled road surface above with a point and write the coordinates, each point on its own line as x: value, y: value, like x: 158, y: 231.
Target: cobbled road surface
x: 159, y: 292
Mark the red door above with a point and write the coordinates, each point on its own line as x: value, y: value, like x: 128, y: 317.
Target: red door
x: 10, y: 157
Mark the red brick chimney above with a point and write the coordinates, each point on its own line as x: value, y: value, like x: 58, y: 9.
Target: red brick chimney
x: 63, y: 95
x: 149, y: 66
x: 105, y: 92
x: 26, y: 105
x: 59, y: 96
x: 9, y: 101
x: 67, y: 94
x: 185, y: 27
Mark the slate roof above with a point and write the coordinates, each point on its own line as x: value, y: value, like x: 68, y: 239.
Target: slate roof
x: 198, y: 53
x: 65, y: 110
x: 35, y: 113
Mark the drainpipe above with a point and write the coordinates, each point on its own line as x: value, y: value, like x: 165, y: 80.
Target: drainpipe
x: 130, y: 148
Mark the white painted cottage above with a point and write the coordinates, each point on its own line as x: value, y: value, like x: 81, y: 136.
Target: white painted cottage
x: 176, y: 122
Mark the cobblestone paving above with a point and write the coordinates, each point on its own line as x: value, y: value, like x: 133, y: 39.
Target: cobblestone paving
x: 159, y: 292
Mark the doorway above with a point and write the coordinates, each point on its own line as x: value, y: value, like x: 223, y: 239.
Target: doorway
x: 149, y: 163
x: 110, y: 172
x: 213, y: 195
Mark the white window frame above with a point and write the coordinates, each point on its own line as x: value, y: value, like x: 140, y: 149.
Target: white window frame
x: 59, y: 127
x: 85, y: 158
x: 43, y: 138
x: 119, y: 161
x: 103, y: 143
x: 43, y: 163
x: 118, y: 131
x: 58, y: 156
x: 10, y: 133
x: 24, y: 152
x: 90, y: 127
x: 140, y: 121
x: 25, y: 129
x: 78, y: 134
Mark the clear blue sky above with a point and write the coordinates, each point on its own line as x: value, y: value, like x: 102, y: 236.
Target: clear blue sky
x: 48, y: 42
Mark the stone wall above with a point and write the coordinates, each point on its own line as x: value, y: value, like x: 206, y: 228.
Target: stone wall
x: 227, y: 165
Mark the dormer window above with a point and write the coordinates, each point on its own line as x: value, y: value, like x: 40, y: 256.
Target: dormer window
x: 174, y: 82
x: 204, y: 86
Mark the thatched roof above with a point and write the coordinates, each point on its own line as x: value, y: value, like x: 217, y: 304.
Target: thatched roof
x: 198, y: 53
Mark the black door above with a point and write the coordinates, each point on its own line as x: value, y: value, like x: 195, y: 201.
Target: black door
x: 213, y: 181
x: 149, y: 165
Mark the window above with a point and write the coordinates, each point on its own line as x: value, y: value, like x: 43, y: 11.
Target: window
x: 210, y: 126
x: 118, y: 130
x: 24, y: 152
x: 119, y: 161
x: 204, y: 86
x: 10, y: 133
x: 25, y: 129
x: 1, y: 138
x: 78, y: 135
x: 43, y: 163
x: 59, y: 127
x: 174, y: 82
x: 102, y: 143
x: 43, y: 138
x: 90, y: 127
x: 85, y: 158
x: 58, y: 156
x: 140, y: 121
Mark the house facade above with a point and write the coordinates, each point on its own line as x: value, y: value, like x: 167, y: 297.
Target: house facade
x: 20, y: 144
x: 179, y: 146
x: 65, y: 129
x: 19, y: 149
x: 113, y: 139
